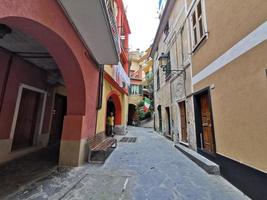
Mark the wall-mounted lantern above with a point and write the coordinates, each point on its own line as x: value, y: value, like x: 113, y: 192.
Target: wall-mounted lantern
x: 163, y: 60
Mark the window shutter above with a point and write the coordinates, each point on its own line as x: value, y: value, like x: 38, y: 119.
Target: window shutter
x: 140, y: 89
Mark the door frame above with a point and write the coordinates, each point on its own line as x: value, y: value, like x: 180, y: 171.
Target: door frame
x: 180, y: 121
x: 169, y: 123
x: 160, y: 117
x: 55, y: 95
x: 15, y: 116
x: 198, y: 121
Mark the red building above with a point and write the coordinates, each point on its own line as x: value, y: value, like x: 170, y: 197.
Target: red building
x: 49, y: 74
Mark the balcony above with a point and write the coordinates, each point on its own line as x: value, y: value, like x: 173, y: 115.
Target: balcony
x: 96, y: 25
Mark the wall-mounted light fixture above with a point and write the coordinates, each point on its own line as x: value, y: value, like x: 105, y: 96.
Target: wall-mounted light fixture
x: 4, y: 30
x: 164, y: 61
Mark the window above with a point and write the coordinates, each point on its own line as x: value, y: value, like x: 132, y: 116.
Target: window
x: 168, y: 67
x: 136, y: 89
x: 197, y: 21
x: 131, y: 73
x: 158, y: 80
x: 166, y: 29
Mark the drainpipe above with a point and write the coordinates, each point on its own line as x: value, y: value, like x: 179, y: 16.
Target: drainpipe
x: 100, y: 92
x: 3, y: 89
x: 100, y: 87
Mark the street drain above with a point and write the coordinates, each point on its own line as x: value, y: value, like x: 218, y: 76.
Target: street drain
x: 128, y: 139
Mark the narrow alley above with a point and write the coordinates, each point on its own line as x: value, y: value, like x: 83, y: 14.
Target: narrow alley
x: 133, y: 99
x: 149, y: 168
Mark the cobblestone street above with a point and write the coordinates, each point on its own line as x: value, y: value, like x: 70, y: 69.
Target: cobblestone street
x: 151, y: 168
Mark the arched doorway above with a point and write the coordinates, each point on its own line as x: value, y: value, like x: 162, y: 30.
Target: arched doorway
x: 114, y: 106
x: 49, y: 40
x: 159, y: 117
x: 132, y: 115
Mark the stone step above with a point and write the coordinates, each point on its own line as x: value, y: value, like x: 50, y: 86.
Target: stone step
x: 209, y: 166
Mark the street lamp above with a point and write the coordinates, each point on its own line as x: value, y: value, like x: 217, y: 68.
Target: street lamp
x: 4, y: 30
x: 164, y: 61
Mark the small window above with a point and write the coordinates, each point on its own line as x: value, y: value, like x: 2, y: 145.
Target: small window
x: 167, y: 29
x: 168, y: 68
x: 158, y: 80
x: 198, y: 29
x: 136, y: 89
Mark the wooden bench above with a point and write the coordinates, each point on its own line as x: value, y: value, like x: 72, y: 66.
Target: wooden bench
x: 99, y: 144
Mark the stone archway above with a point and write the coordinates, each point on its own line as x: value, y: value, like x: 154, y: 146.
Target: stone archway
x: 114, y: 98
x: 132, y: 114
x: 66, y: 60
x: 79, y: 71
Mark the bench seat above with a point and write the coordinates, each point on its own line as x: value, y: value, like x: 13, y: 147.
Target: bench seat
x: 100, y: 144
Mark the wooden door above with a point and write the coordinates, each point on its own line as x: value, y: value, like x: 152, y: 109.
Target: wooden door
x: 168, y: 121
x: 206, y: 120
x: 59, y: 111
x: 160, y: 118
x: 26, y: 120
x: 183, y: 122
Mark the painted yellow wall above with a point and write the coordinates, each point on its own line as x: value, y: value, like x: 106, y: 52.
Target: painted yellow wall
x: 135, y: 99
x: 240, y: 94
x: 108, y: 69
x: 101, y: 116
x: 223, y: 32
x: 239, y: 108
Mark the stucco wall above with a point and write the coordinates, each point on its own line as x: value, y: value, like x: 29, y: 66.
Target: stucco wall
x: 238, y: 103
x: 21, y: 72
x: 26, y: 73
x: 223, y: 33
x: 101, y: 116
x: 46, y: 22
x: 239, y: 97
x: 39, y: 18
x: 135, y: 99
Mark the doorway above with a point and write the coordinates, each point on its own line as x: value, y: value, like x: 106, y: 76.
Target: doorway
x: 132, y: 115
x: 110, y: 109
x: 204, y: 122
x: 168, y: 133
x: 184, y: 136
x: 28, y: 119
x: 59, y: 111
x: 160, y: 118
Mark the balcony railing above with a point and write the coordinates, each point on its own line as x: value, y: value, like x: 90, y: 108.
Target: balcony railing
x: 113, y: 25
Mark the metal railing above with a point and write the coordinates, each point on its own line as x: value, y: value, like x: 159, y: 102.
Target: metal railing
x: 113, y: 25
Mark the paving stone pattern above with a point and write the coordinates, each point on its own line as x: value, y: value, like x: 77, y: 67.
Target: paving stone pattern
x: 155, y: 170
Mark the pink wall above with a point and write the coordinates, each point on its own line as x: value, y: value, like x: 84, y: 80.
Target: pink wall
x: 46, y: 23
x: 20, y: 72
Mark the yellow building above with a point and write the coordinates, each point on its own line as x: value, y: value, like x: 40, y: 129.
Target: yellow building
x: 114, y: 99
x: 211, y: 88
x: 115, y: 80
x: 141, y: 80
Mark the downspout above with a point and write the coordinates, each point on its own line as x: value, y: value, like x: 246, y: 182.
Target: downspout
x: 100, y: 87
x: 100, y: 93
x: 3, y: 89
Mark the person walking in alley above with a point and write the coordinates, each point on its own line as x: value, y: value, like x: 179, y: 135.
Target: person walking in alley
x: 110, y: 123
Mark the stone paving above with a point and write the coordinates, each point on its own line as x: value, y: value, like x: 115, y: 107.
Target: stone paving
x: 150, y: 169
